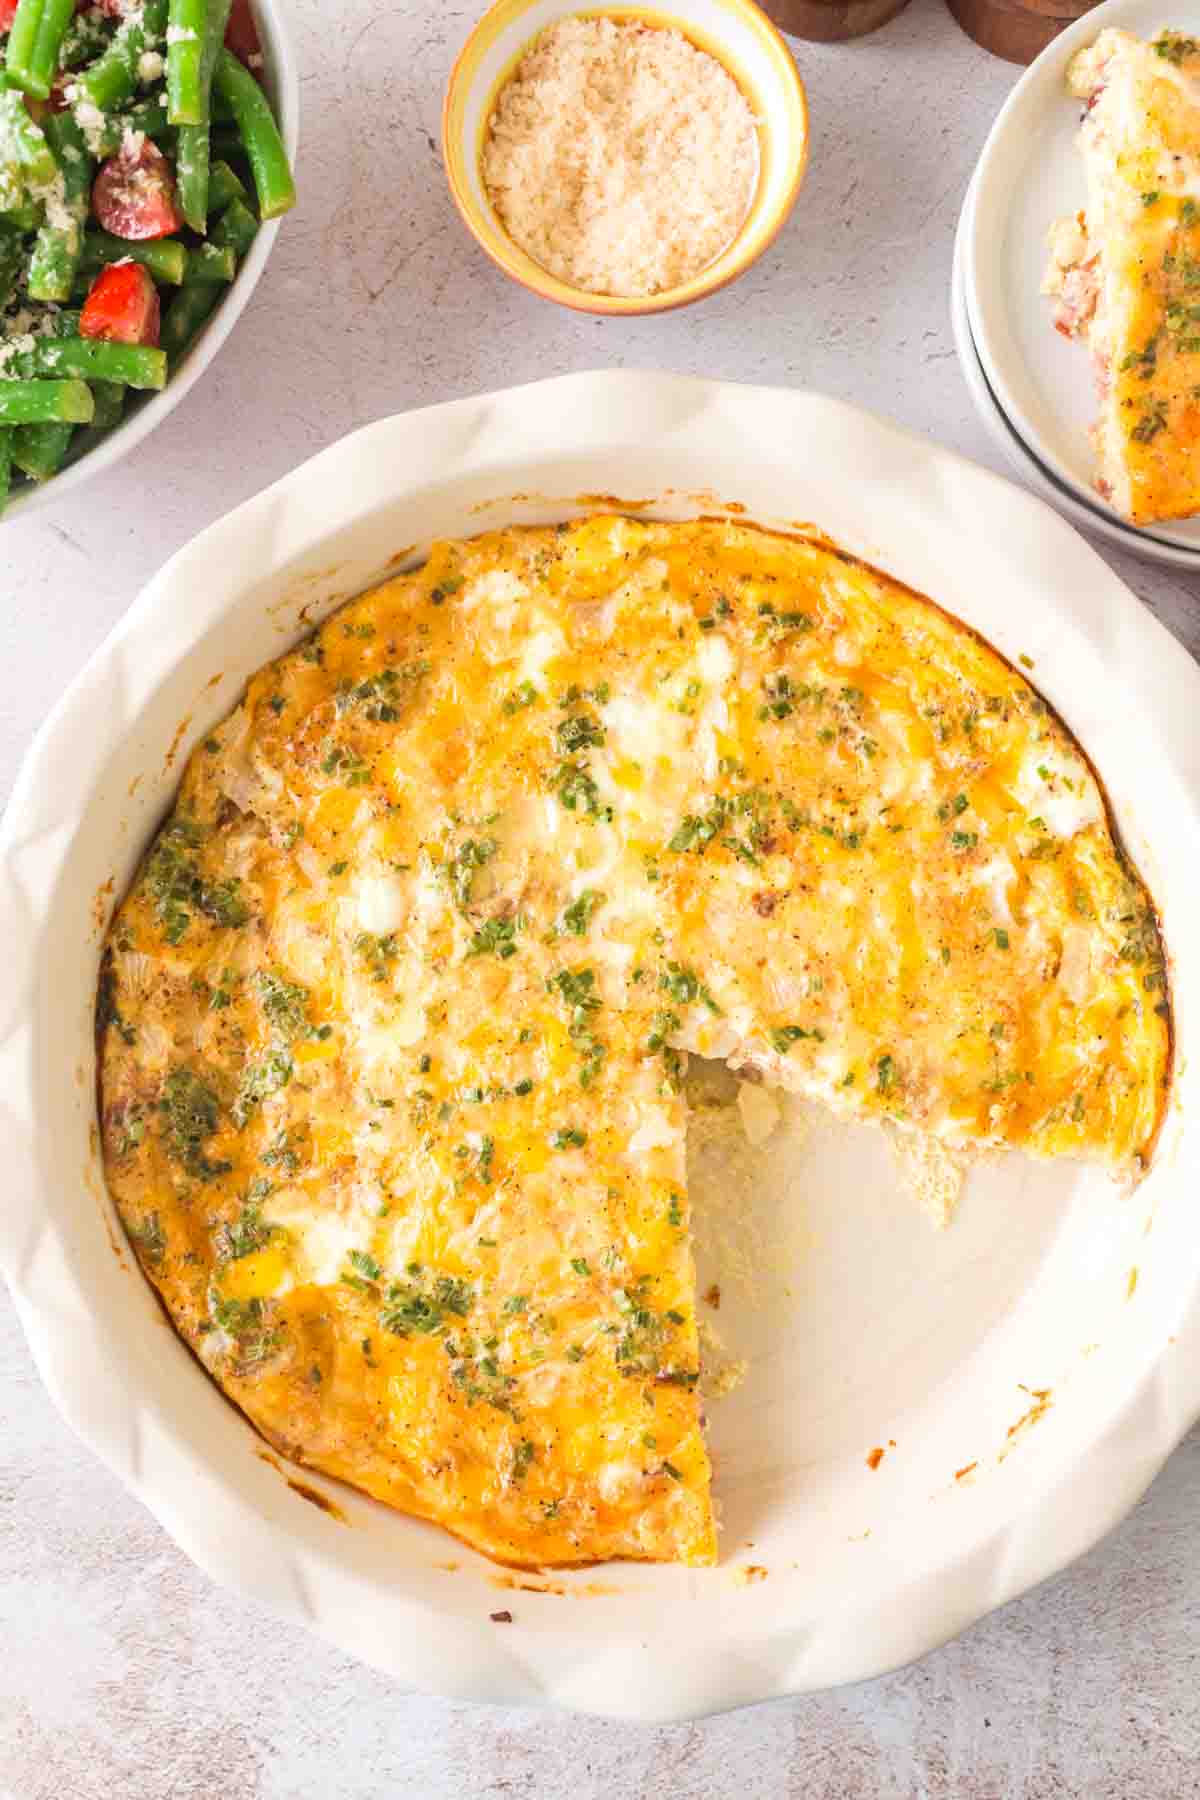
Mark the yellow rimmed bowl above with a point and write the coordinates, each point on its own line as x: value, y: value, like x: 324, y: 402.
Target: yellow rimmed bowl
x: 737, y: 32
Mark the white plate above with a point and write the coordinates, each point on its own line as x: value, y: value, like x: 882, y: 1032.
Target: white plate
x: 864, y: 1327
x: 1030, y: 174
x: 1093, y: 517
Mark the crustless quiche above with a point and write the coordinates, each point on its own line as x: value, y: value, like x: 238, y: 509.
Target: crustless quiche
x: 393, y: 1019
x: 1126, y: 273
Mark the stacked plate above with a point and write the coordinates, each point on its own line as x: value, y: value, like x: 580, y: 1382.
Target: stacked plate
x: 1032, y: 387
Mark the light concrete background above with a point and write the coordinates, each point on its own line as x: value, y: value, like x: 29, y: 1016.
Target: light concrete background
x: 123, y: 1674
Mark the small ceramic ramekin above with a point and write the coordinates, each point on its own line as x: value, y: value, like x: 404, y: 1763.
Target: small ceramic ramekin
x: 737, y: 32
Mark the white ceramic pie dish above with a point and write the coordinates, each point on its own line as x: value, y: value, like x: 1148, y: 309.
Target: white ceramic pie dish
x: 1016, y: 1342
x: 1030, y: 173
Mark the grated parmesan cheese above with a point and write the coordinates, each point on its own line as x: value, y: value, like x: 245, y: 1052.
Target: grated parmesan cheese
x: 620, y: 157
x: 89, y: 118
x: 13, y: 347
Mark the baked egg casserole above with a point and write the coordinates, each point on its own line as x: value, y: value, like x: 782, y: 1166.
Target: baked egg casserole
x: 393, y: 1020
x: 1126, y: 272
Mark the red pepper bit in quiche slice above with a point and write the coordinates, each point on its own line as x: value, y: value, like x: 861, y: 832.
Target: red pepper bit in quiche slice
x: 395, y: 1014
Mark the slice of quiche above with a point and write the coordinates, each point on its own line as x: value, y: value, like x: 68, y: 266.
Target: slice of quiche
x: 1126, y: 273
x: 394, y: 1017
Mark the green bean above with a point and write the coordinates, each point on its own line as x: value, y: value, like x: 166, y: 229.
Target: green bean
x: 13, y: 197
x: 148, y: 116
x: 260, y: 135
x: 99, y: 359
x: 55, y: 258
x: 236, y: 227
x: 43, y: 65
x: 185, y: 315
x: 165, y: 258
x: 191, y: 174
x: 86, y: 439
x: 211, y: 262
x: 113, y: 76
x: 187, y: 26
x: 110, y: 404
x: 214, y: 43
x: 25, y: 217
x: 225, y: 140
x: 223, y: 186
x: 12, y: 261
x: 5, y: 467
x: 193, y: 149
x: 39, y: 451
x: 22, y: 42
x: 29, y: 402
x: 34, y: 156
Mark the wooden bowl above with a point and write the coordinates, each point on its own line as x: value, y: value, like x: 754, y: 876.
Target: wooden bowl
x: 1017, y: 30
x: 831, y: 21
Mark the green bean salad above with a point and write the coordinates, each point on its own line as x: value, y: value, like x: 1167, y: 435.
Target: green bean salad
x: 138, y: 157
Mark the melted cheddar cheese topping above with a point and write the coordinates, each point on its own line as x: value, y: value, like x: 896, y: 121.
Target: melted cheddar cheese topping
x: 393, y: 1018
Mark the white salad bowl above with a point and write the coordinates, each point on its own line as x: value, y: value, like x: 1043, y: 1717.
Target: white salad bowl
x: 929, y: 1422
x: 282, y: 84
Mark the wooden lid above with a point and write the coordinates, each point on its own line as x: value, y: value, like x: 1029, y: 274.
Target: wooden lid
x: 1064, y: 11
x: 831, y: 21
x: 1017, y: 30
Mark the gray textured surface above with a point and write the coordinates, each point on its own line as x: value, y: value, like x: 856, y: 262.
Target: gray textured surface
x: 126, y: 1676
